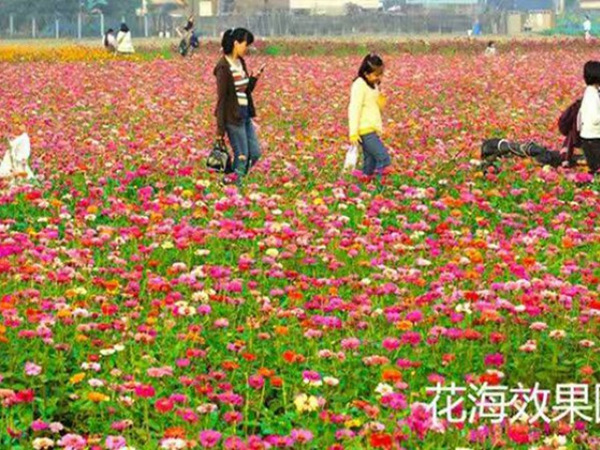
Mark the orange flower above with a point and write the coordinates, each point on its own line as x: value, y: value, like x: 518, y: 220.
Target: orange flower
x: 77, y: 378
x: 97, y: 397
x: 268, y: 373
x: 404, y: 325
x: 393, y: 375
x: 281, y: 330
x: 276, y: 382
x: 175, y: 433
x: 229, y: 365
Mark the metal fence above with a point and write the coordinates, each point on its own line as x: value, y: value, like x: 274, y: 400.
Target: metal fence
x: 93, y: 26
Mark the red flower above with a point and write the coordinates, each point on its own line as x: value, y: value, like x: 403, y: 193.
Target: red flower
x: 163, y: 405
x: 381, y: 440
x: 25, y: 396
x: 519, y: 433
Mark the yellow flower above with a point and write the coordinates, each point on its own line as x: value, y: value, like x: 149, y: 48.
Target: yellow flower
x: 272, y: 252
x: 353, y: 423
x: 77, y: 378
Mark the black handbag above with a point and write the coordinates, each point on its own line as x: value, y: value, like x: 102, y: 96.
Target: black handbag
x: 219, y: 158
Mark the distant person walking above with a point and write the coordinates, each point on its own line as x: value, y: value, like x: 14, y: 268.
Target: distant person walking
x: 587, y: 28
x: 124, y: 42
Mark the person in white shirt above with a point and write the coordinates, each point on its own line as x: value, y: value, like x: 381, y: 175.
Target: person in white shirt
x: 490, y: 50
x: 589, y: 116
x: 110, y: 41
x: 124, y: 43
x: 587, y: 28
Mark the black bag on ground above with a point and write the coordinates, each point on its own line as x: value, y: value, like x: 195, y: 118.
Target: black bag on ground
x: 183, y: 47
x: 219, y: 158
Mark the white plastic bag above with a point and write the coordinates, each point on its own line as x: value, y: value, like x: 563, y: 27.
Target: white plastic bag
x: 351, y: 158
x: 16, y: 159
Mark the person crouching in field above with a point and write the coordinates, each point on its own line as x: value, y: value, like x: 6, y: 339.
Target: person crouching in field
x: 364, y: 116
x: 110, y: 41
x: 589, y: 116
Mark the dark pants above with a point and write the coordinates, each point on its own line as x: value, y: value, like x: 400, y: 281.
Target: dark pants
x: 591, y: 150
x: 244, y: 142
x: 375, y: 155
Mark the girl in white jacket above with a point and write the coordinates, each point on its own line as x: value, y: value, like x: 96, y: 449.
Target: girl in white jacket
x: 124, y: 42
x: 589, y: 116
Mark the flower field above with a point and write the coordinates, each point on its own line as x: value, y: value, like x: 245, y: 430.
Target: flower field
x: 144, y: 305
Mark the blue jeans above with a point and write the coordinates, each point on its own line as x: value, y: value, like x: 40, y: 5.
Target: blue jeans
x: 375, y: 155
x: 244, y: 143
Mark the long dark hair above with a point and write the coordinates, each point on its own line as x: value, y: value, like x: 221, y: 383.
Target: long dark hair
x: 233, y: 35
x: 109, y: 31
x: 371, y: 63
x: 124, y: 28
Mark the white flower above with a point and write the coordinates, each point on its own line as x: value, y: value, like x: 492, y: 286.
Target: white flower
x: 42, y: 443
x: 173, y: 444
x: 331, y: 381
x: 206, y: 408
x: 94, y: 382
x: 558, y: 334
x: 384, y: 388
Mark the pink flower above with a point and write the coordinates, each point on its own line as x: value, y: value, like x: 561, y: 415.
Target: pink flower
x: 39, y: 425
x: 32, y: 369
x: 390, y: 344
x: 233, y: 417
x: 350, y: 344
x: 411, y: 337
x: 115, y: 442
x: 301, y: 436
x: 256, y: 381
x: 72, y: 442
x: 209, y: 438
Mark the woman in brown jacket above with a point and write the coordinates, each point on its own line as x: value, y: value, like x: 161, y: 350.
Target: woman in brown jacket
x: 235, y: 108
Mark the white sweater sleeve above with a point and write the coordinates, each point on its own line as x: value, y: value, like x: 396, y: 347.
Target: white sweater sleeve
x: 357, y: 96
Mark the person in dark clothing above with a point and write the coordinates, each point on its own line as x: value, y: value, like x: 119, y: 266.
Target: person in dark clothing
x: 235, y: 106
x: 494, y: 150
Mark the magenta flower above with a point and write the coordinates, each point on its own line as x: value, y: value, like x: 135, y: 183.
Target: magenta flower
x: 145, y: 391
x: 209, y: 438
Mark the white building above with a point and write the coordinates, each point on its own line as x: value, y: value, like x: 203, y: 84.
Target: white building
x: 331, y: 6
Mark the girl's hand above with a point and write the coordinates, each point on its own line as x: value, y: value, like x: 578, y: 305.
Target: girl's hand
x: 355, y: 140
x: 382, y: 101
